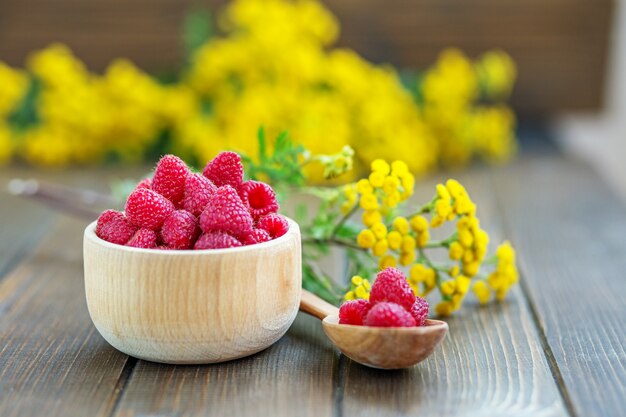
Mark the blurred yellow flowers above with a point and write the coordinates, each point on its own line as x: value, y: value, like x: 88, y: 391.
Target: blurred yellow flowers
x: 274, y: 66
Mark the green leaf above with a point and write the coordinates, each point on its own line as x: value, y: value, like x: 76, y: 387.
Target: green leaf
x: 197, y: 30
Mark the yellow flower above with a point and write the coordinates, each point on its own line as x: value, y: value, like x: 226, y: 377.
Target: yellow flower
x: 371, y: 217
x: 408, y: 184
x: 357, y: 280
x: 482, y: 292
x: 399, y: 169
x: 443, y: 208
x: 363, y: 186
x: 454, y: 271
x: 442, y: 192
x: 407, y: 258
x: 392, y: 200
x: 421, y: 273
x: 379, y: 229
x: 505, y: 275
x: 419, y: 223
x: 423, y: 238
x: 390, y: 185
x: 401, y: 224
x: 387, y: 261
x: 408, y: 244
x: 448, y: 287
x: 395, y: 240
x: 359, y: 288
x: 466, y: 238
x: 360, y: 292
x: 349, y: 192
x: 377, y: 179
x: 456, y: 251
x: 506, y: 253
x: 470, y: 269
x: 381, y: 166
x: 444, y: 308
x: 462, y: 284
x: 380, y: 247
x: 366, y: 239
x: 368, y: 202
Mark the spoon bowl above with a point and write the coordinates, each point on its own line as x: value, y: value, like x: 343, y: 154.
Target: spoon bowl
x: 376, y: 347
x: 385, y: 347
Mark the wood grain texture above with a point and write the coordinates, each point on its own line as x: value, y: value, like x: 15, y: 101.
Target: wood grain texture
x: 293, y: 377
x: 193, y: 307
x: 52, y: 360
x: 560, y: 45
x: 570, y: 232
x: 18, y: 237
x: 492, y: 362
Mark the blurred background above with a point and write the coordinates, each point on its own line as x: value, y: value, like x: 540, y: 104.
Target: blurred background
x: 451, y: 81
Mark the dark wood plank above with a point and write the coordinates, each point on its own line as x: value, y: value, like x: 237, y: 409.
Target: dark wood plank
x: 292, y: 377
x: 570, y: 231
x: 52, y: 360
x: 21, y: 226
x: 491, y: 363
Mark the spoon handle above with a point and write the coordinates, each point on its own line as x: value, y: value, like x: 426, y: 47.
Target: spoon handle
x: 315, y: 306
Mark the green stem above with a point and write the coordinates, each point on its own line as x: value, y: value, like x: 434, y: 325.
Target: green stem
x: 425, y: 208
x: 492, y: 260
x: 345, y: 218
x: 444, y: 243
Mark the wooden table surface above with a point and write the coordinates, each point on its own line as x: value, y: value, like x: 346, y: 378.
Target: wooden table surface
x: 554, y: 348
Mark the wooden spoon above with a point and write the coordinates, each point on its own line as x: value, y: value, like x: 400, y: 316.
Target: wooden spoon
x: 376, y: 347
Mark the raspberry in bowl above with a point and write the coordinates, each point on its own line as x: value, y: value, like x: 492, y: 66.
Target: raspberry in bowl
x: 198, y: 268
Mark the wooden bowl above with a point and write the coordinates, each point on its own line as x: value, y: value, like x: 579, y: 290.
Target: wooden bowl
x: 193, y: 307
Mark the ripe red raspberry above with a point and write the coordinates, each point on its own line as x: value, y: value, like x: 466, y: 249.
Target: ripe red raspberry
x: 198, y: 190
x: 216, y: 240
x: 419, y: 311
x: 146, y: 208
x: 257, y: 236
x: 145, y: 183
x: 225, y: 169
x: 144, y: 238
x: 169, y: 178
x: 180, y: 230
x: 114, y: 227
x: 225, y: 212
x: 389, y: 315
x: 260, y: 197
x: 392, y: 286
x: 274, y: 224
x: 354, y: 312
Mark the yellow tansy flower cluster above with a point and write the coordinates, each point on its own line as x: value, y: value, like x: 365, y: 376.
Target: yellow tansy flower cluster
x: 420, y: 275
x: 397, y: 241
x: 500, y: 281
x: 379, y: 195
x: 273, y: 65
x: 359, y: 289
x: 451, y: 201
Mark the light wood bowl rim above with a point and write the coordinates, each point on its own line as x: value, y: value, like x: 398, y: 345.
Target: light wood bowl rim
x: 90, y: 233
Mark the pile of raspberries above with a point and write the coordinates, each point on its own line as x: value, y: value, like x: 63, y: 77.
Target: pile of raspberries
x: 392, y: 303
x: 178, y: 209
